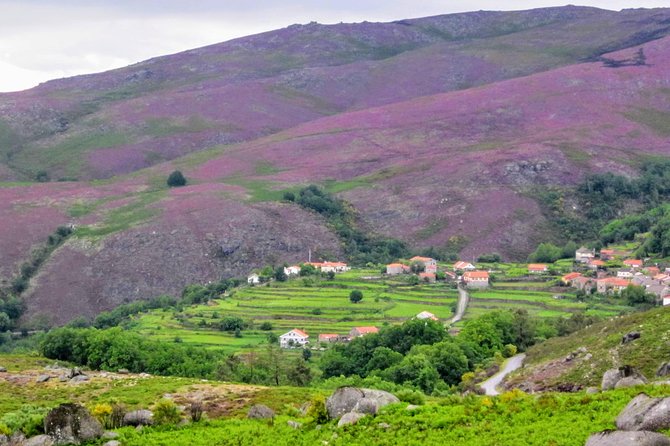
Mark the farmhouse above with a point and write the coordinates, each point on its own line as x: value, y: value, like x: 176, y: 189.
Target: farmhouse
x: 595, y: 264
x: 426, y: 315
x: 326, y: 338
x: 430, y: 265
x: 476, y: 278
x: 292, y: 270
x: 326, y: 267
x: 253, y: 279
x: 583, y: 283
x: 611, y: 285
x: 606, y: 254
x: 625, y: 273
x: 633, y: 263
x: 570, y: 277
x: 294, y: 338
x: 464, y: 266
x: 584, y: 255
x: 393, y: 269
x: 653, y: 271
x: 537, y: 268
x: 428, y: 277
x: 357, y: 332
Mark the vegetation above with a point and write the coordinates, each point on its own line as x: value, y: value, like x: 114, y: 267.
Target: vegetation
x: 176, y: 179
x: 360, y: 247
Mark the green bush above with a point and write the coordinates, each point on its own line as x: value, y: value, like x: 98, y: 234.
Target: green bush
x: 28, y: 419
x: 317, y: 410
x: 411, y: 396
x: 176, y: 179
x: 166, y: 412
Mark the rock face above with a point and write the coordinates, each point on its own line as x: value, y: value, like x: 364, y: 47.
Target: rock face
x: 260, y: 412
x: 664, y: 369
x: 613, y: 376
x: 71, y: 424
x: 619, y: 438
x: 141, y: 417
x: 645, y: 414
x: 346, y: 399
x: 40, y: 440
x: 628, y: 337
x: 350, y: 418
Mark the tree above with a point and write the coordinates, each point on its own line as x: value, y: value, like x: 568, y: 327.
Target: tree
x: 280, y: 274
x: 176, y: 179
x: 417, y: 267
x: 355, y: 296
x: 637, y: 295
x: 5, y: 322
x: 306, y: 354
x: 546, y: 252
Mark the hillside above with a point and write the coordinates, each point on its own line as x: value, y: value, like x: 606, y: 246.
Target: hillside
x: 438, y: 131
x: 547, y: 368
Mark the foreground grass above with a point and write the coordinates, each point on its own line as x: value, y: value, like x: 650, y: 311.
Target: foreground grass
x: 510, y: 419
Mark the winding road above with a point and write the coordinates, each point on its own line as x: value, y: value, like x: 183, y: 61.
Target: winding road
x: 463, y: 300
x: 510, y: 365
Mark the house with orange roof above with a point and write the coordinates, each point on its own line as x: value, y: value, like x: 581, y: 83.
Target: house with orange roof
x: 329, y: 338
x: 568, y: 278
x: 464, y: 266
x: 606, y: 254
x: 653, y: 271
x: 294, y: 338
x: 428, y: 277
x: 633, y: 263
x: 429, y: 265
x: 537, y: 268
x: 595, y: 264
x: 611, y: 285
x: 393, y: 269
x: 326, y: 267
x: 357, y: 332
x: 476, y: 278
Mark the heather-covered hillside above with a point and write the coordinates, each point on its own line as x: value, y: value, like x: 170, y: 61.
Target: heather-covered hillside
x: 439, y: 131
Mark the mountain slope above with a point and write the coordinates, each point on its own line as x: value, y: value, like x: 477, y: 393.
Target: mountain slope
x: 96, y: 126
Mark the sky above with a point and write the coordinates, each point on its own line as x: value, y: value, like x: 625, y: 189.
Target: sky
x: 49, y: 39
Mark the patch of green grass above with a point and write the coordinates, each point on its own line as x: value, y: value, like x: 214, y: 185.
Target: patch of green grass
x: 161, y: 127
x: 259, y: 190
x: 124, y: 217
x: 656, y: 120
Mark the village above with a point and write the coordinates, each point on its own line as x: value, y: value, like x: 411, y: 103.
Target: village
x: 606, y: 272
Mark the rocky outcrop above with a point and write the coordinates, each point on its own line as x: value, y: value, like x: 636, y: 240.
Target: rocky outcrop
x: 260, y: 412
x: 629, y: 337
x: 348, y: 399
x: 40, y: 440
x: 644, y: 413
x: 612, y: 377
x: 141, y: 417
x: 71, y: 424
x: 350, y: 418
x: 619, y: 438
x: 664, y: 369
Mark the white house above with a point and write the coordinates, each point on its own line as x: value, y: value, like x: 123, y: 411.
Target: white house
x: 584, y: 255
x: 294, y: 338
x: 464, y: 266
x: 253, y: 279
x: 624, y: 274
x: 292, y: 270
x: 426, y: 315
x: 476, y: 278
x: 325, y: 267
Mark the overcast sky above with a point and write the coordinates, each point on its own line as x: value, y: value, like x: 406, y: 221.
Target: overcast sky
x: 48, y: 39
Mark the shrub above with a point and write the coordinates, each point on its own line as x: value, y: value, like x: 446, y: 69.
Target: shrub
x: 355, y: 296
x: 118, y: 413
x: 195, y: 410
x: 28, y: 419
x: 317, y: 410
x: 266, y: 326
x: 166, y: 412
x: 176, y: 179
x: 411, y: 396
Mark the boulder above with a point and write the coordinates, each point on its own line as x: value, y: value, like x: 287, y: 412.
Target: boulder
x: 3, y: 370
x: 350, y: 418
x: 366, y: 406
x: 610, y: 378
x: 40, y: 440
x: 628, y: 381
x: 123, y: 371
x: 110, y: 435
x: 644, y: 413
x: 71, y: 424
x: 260, y: 412
x: 629, y: 337
x: 345, y: 399
x: 663, y: 370
x: 112, y: 443
x: 140, y: 417
x: 591, y: 390
x: 79, y: 379
x: 621, y: 438
x: 294, y: 424
x: 42, y: 378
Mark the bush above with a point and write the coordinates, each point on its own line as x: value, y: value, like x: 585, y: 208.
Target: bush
x: 176, y: 179
x: 28, y: 419
x: 266, y: 326
x: 116, y: 418
x: 166, y: 412
x: 411, y: 396
x: 195, y: 410
x: 355, y: 296
x: 317, y: 410
x: 103, y: 413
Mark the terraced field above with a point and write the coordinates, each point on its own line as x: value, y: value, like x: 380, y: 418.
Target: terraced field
x: 313, y: 305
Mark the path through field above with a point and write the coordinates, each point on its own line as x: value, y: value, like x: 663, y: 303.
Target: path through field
x: 511, y: 365
x: 463, y: 299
